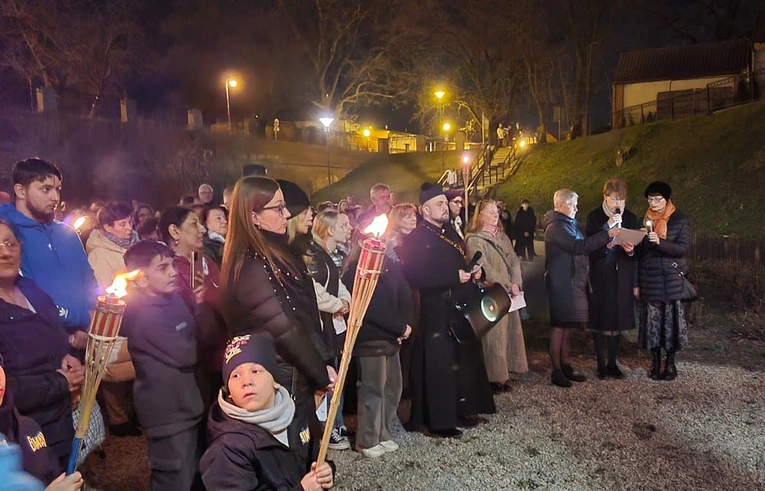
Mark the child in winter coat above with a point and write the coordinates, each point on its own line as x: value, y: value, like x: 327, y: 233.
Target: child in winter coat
x: 256, y: 439
x: 161, y: 333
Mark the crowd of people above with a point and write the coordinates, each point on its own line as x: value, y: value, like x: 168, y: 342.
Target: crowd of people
x: 235, y: 323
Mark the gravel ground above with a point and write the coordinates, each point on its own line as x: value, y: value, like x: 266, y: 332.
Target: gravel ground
x: 704, y: 431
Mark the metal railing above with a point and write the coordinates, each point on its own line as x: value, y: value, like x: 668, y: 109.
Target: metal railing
x: 720, y: 94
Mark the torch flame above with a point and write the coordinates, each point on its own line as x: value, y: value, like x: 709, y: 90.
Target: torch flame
x: 378, y: 226
x: 118, y: 288
x: 79, y: 222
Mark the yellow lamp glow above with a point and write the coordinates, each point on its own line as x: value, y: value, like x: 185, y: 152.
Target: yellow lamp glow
x: 232, y: 83
x: 439, y: 94
x: 366, y: 132
x: 447, y: 126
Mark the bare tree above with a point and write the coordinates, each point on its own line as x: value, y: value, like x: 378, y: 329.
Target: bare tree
x: 351, y: 47
x: 699, y: 21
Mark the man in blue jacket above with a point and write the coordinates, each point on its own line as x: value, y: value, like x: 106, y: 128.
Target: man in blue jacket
x: 52, y: 254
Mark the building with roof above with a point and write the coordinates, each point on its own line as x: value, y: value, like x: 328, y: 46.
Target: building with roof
x: 677, y: 81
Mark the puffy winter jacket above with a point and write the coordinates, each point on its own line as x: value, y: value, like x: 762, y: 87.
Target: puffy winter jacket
x: 658, y: 280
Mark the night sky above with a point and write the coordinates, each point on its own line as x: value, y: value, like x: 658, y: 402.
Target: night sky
x: 188, y: 48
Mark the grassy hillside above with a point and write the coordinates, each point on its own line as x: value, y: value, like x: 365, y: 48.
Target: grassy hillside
x: 715, y: 165
x: 403, y: 172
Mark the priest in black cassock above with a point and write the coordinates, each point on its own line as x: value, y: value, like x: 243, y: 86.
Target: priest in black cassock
x: 448, y: 381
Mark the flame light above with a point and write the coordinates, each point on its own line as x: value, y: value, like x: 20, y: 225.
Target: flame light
x: 118, y: 288
x: 79, y: 223
x: 378, y: 226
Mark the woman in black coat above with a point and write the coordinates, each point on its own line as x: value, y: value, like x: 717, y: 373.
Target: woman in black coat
x: 662, y: 259
x: 613, y: 278
x: 566, y: 271
x: 267, y: 288
x: 524, y: 226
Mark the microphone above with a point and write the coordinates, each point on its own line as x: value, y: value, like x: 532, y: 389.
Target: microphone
x: 476, y: 257
x: 618, y: 211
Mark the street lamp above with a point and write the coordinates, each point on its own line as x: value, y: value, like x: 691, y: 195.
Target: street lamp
x: 466, y: 182
x: 327, y: 122
x: 440, y: 95
x: 230, y: 82
x: 366, y: 134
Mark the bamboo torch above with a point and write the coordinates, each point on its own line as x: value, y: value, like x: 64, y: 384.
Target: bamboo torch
x: 104, y: 328
x: 364, y: 284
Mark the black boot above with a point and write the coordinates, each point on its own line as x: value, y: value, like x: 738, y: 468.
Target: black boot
x: 612, y: 369
x: 568, y: 371
x: 655, y: 373
x: 559, y: 378
x: 597, y: 340
x: 670, y: 370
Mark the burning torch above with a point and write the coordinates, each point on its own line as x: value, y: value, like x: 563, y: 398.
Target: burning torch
x: 104, y: 328
x: 364, y: 284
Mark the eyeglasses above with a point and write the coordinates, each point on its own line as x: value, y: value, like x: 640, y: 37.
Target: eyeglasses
x: 11, y: 245
x: 616, y: 199
x: 655, y: 199
x: 278, y: 208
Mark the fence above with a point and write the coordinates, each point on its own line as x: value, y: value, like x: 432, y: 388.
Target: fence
x: 720, y: 94
x: 744, y: 251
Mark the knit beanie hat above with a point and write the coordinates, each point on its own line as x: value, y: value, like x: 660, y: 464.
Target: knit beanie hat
x: 250, y: 348
x: 296, y: 199
x: 454, y: 193
x: 429, y: 191
x: 659, y: 187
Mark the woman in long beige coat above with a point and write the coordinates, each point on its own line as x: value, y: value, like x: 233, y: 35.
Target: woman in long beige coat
x: 503, y: 347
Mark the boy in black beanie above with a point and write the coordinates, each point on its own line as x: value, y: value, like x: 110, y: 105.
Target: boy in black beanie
x: 256, y: 438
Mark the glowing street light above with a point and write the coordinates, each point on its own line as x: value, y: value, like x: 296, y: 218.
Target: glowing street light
x: 447, y: 127
x: 366, y: 132
x: 327, y: 122
x: 230, y: 82
x: 439, y: 94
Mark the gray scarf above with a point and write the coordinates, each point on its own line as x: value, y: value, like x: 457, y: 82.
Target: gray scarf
x: 274, y: 419
x: 123, y: 243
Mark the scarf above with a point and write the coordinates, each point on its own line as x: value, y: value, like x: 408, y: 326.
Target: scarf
x: 660, y: 219
x: 274, y: 420
x: 216, y: 237
x: 491, y: 229
x: 123, y: 243
x: 608, y: 211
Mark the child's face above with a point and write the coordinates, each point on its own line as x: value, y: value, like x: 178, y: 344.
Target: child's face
x: 160, y: 277
x: 252, y: 387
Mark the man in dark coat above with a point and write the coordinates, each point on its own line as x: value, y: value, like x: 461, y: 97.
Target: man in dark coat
x: 523, y: 230
x: 434, y: 263
x: 613, y: 276
x: 566, y: 271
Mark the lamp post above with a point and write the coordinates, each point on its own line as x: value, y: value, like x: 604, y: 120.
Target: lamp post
x: 366, y: 134
x: 327, y: 122
x: 440, y: 95
x: 446, y: 127
x: 230, y: 82
x: 466, y: 183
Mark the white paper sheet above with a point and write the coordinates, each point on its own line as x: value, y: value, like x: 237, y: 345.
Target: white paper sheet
x: 628, y: 235
x: 517, y: 302
x: 339, y: 324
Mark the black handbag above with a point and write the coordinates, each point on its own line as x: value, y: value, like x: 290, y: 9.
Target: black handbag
x: 482, y: 313
x: 690, y: 292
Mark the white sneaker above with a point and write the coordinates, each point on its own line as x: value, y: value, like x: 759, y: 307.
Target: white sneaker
x: 374, y: 452
x: 389, y: 445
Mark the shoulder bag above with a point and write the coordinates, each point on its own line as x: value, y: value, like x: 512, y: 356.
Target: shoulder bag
x: 690, y: 292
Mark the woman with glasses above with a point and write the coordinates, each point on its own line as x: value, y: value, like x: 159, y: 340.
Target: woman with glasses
x: 566, y: 270
x: 41, y: 374
x: 503, y: 347
x: 612, y: 278
x: 267, y: 288
x: 662, y: 259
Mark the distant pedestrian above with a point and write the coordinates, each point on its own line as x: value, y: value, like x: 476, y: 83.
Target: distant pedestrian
x: 524, y: 228
x: 501, y: 134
